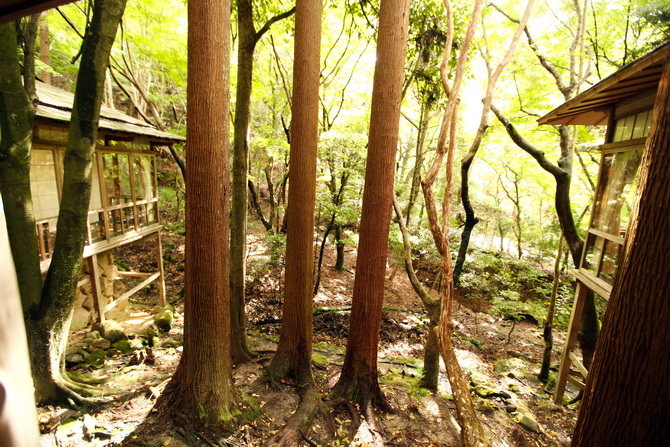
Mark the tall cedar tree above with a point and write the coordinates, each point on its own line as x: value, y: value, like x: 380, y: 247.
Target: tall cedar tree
x: 248, y: 38
x: 359, y: 381
x: 294, y: 352
x: 627, y: 396
x: 202, y: 387
x: 47, y: 316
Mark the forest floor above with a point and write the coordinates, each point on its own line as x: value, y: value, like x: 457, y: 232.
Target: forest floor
x: 500, y: 357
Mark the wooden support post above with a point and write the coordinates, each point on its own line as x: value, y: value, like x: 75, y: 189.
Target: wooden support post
x: 94, y: 274
x: 159, y: 261
x: 570, y: 342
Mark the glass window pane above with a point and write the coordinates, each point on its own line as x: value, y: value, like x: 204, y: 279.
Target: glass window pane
x: 43, y: 184
x: 96, y: 225
x: 117, y: 178
x: 610, y: 262
x: 593, y: 249
x: 616, y: 191
x: 144, y: 177
x: 640, y: 123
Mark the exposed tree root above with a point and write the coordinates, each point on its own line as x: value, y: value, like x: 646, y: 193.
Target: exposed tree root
x: 310, y: 405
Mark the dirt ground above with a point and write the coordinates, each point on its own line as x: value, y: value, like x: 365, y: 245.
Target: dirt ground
x: 482, y: 343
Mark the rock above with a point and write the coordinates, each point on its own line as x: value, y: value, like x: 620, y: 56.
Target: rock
x: 89, y: 426
x: 485, y: 391
x: 164, y: 317
x: 514, y: 366
x: 529, y: 422
x: 510, y: 408
x: 525, y: 417
x: 112, y: 331
x: 74, y: 358
x: 122, y: 346
x: 100, y: 343
x: 81, y: 317
x: 93, y: 335
x: 94, y: 356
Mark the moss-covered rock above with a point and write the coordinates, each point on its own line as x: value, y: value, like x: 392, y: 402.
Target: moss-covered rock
x: 163, y: 317
x: 112, y: 331
x: 95, y: 356
x: 512, y: 366
x: 122, y: 346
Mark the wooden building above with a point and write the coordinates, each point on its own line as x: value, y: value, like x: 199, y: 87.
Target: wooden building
x: 124, y: 197
x: 624, y: 102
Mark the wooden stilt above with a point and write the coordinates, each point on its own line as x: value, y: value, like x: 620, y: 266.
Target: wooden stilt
x: 94, y: 274
x: 570, y: 342
x: 159, y: 262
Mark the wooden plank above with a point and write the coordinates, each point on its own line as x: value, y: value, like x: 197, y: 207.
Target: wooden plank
x: 607, y: 236
x: 121, y: 240
x: 576, y: 383
x: 579, y: 365
x: 159, y: 261
x: 570, y: 342
x: 134, y: 274
x: 94, y: 274
x: 131, y: 292
x: 596, y: 284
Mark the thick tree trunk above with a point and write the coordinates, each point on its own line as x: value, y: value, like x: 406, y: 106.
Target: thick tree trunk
x: 627, y: 391
x: 202, y: 387
x: 16, y: 126
x: 358, y: 381
x: 294, y: 352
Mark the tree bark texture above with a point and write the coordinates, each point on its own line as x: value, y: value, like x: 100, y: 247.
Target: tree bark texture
x: 16, y: 126
x: 202, y: 387
x: 547, y: 333
x: 431, y: 352
x: 51, y: 321
x: 359, y: 378
x: 238, y: 216
x: 627, y: 396
x: 294, y: 352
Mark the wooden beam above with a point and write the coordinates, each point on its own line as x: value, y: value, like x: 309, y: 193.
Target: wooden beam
x: 131, y: 292
x: 94, y: 274
x: 570, y: 342
x: 159, y: 261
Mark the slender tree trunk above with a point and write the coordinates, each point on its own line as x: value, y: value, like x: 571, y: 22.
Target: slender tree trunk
x: 626, y: 401
x: 359, y: 381
x: 431, y: 351
x: 238, y: 218
x: 547, y: 333
x: 294, y: 352
x: 202, y: 387
x: 45, y: 49
x: 339, y: 247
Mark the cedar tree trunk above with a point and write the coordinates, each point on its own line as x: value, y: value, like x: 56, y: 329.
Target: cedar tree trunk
x: 627, y: 396
x: 202, y: 387
x: 294, y: 352
x: 359, y: 379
